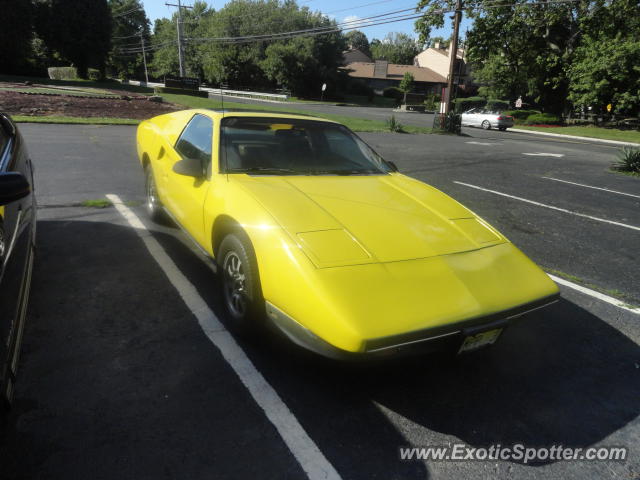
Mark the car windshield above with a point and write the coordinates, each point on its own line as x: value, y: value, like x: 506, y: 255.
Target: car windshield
x: 284, y: 146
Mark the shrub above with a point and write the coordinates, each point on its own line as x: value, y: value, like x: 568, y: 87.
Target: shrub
x: 464, y: 104
x: 497, y: 105
x: 94, y: 74
x: 520, y: 114
x: 628, y: 160
x: 542, y: 119
x: 450, y: 122
x: 358, y: 87
x: 394, y: 125
x: 393, y: 92
x: 63, y: 73
x: 432, y: 102
x: 181, y: 91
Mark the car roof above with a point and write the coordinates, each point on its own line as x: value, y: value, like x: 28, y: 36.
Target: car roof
x: 241, y: 112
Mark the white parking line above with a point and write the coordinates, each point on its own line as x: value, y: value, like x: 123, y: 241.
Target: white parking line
x: 542, y: 154
x: 591, y: 186
x: 306, y: 452
x: 595, y: 294
x: 564, y: 210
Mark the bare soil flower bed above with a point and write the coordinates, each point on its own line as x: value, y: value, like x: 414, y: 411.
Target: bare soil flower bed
x: 125, y: 105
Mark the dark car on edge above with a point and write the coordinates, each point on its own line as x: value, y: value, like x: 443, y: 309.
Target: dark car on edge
x: 17, y: 249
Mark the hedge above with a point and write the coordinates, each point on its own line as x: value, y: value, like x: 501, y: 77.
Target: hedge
x: 543, y: 119
x: 464, y: 104
x: 181, y: 91
x: 496, y: 105
x: 62, y: 73
x: 358, y: 87
x: 520, y: 114
x: 393, y: 92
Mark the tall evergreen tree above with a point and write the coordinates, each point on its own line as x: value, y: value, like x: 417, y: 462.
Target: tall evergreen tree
x: 79, y: 30
x: 15, y: 35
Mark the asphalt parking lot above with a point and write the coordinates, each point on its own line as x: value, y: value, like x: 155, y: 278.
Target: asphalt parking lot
x: 118, y: 379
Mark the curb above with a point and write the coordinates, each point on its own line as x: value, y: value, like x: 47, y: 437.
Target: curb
x: 576, y: 137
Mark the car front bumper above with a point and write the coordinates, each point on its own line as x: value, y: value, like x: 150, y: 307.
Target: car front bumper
x: 440, y: 338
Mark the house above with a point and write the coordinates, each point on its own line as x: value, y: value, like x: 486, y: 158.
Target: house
x: 382, y: 74
x: 355, y: 55
x: 438, y: 58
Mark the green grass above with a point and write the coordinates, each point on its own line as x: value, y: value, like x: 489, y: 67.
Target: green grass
x: 351, y: 101
x: 75, y: 120
x: 591, y: 132
x: 109, y: 85
x: 572, y: 278
x: 99, y: 203
x: 355, y: 124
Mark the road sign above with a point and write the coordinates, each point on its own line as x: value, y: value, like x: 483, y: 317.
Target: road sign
x: 324, y: 87
x: 609, y: 107
x: 519, y: 102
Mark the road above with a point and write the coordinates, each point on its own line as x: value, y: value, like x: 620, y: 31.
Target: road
x: 118, y: 380
x: 370, y: 113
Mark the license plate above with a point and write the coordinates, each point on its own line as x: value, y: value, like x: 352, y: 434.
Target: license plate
x: 479, y: 340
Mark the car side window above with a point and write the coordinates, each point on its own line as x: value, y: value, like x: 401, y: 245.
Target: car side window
x: 195, y: 141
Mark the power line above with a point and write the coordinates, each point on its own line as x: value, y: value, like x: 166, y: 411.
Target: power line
x: 387, y: 16
x: 128, y: 12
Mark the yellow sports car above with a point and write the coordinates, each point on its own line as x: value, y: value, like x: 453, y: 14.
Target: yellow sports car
x: 316, y: 234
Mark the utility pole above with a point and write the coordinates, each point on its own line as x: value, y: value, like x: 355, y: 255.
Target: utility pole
x: 144, y: 58
x: 179, y: 31
x: 454, y: 55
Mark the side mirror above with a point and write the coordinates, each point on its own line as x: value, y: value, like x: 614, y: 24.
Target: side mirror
x: 392, y: 165
x: 13, y: 186
x: 190, y: 167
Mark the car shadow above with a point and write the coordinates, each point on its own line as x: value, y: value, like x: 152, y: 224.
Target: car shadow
x: 560, y: 375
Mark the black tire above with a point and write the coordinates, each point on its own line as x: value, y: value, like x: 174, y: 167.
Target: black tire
x: 486, y: 125
x: 152, y: 201
x: 502, y: 129
x: 240, y: 283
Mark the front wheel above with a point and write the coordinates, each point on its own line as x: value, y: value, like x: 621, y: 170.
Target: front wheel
x: 486, y: 125
x: 154, y: 207
x: 240, y: 282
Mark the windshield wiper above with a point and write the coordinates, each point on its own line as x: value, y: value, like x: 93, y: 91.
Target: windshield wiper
x: 343, y: 172
x: 264, y: 171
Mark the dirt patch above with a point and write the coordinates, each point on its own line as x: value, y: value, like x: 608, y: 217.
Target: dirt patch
x: 122, y: 106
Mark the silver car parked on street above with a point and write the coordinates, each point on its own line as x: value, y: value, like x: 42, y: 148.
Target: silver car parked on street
x: 487, y: 119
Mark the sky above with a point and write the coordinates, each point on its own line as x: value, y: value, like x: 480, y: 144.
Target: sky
x: 341, y: 10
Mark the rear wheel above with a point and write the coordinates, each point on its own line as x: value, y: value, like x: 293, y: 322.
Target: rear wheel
x: 240, y: 282
x: 502, y: 129
x: 486, y: 125
x: 154, y: 207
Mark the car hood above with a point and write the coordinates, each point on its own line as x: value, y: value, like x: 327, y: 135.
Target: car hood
x: 350, y: 220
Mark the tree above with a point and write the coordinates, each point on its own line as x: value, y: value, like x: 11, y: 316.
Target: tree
x: 357, y: 39
x: 444, y: 42
x: 15, y: 35
x: 301, y: 64
x: 127, y: 29
x: 397, y: 48
x: 551, y: 54
x: 78, y: 30
x: 606, y: 64
x: 164, y: 41
x: 406, y: 85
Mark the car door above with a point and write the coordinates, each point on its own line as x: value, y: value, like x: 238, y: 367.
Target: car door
x: 16, y: 230
x: 467, y: 117
x: 185, y: 195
